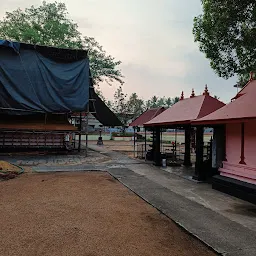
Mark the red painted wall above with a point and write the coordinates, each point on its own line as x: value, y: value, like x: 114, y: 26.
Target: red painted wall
x: 233, y: 143
x: 231, y: 167
x: 250, y: 143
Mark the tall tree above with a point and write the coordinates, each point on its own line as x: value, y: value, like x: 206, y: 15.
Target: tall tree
x: 226, y: 33
x: 161, y: 102
x: 135, y: 105
x: 50, y: 25
x: 168, y: 102
x: 120, y: 106
x: 175, y: 100
x: 154, y: 101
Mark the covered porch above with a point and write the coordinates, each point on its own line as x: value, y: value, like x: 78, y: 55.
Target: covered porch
x: 180, y: 116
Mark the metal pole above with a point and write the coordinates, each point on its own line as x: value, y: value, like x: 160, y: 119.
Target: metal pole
x: 161, y: 140
x: 80, y: 129
x: 176, y: 144
x: 87, y: 124
x: 145, y: 130
x: 134, y: 141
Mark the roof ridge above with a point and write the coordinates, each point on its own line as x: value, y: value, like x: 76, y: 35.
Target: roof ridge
x: 157, y: 112
x: 199, y: 112
x: 243, y: 88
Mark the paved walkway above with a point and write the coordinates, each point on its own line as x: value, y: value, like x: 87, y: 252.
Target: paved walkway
x: 54, y: 159
x: 225, y: 223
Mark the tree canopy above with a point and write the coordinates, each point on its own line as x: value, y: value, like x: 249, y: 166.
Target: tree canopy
x: 226, y: 33
x: 50, y: 25
x: 127, y: 107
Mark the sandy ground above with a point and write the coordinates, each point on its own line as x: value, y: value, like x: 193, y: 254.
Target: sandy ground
x: 84, y: 214
x: 127, y: 148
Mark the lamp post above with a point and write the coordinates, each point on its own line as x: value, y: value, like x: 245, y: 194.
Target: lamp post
x: 100, y: 141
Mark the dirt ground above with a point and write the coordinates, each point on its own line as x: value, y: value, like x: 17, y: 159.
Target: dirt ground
x: 88, y: 214
x: 127, y: 147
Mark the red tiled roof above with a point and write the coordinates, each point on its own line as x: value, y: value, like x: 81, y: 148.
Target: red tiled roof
x: 249, y: 86
x: 147, y: 116
x: 187, y: 110
x: 241, y: 108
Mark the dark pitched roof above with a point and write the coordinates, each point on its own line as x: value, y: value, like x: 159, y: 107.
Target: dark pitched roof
x: 101, y: 111
x: 147, y: 116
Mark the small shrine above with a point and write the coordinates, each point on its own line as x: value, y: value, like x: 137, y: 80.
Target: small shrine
x: 181, y: 115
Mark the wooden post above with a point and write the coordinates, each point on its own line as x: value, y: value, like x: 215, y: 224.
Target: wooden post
x: 187, y: 155
x: 199, y: 172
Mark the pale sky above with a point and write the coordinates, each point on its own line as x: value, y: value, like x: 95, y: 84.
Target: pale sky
x: 154, y: 41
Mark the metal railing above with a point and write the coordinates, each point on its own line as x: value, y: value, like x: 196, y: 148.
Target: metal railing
x: 173, y: 152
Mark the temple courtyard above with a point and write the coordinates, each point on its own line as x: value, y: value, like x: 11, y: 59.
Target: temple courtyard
x: 87, y: 213
x: 111, y: 204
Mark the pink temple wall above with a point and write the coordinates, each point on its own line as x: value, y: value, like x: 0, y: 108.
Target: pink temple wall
x: 233, y: 143
x: 250, y: 143
x: 231, y: 167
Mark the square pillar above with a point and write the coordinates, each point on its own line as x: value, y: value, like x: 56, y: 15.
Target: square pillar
x: 157, y: 152
x: 199, y: 170
x: 187, y: 155
x: 218, y: 148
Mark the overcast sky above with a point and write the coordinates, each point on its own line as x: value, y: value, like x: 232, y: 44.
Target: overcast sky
x: 154, y: 41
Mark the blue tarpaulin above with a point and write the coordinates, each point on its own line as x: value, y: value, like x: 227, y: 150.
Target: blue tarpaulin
x: 31, y: 81
x: 14, y: 45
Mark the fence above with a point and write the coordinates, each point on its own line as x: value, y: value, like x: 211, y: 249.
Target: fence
x: 174, y: 151
x: 36, y: 139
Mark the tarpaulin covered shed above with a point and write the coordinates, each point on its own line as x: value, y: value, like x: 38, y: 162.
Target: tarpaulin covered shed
x: 40, y: 88
x: 43, y: 79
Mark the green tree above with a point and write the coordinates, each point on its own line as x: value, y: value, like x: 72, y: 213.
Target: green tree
x: 175, y: 100
x: 161, y: 102
x: 120, y: 107
x: 148, y: 104
x: 168, y: 102
x: 156, y: 102
x: 50, y: 25
x: 153, y: 102
x: 226, y: 33
x: 135, y: 105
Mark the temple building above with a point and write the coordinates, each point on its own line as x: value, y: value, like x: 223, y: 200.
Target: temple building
x: 235, y: 140
x: 180, y: 116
